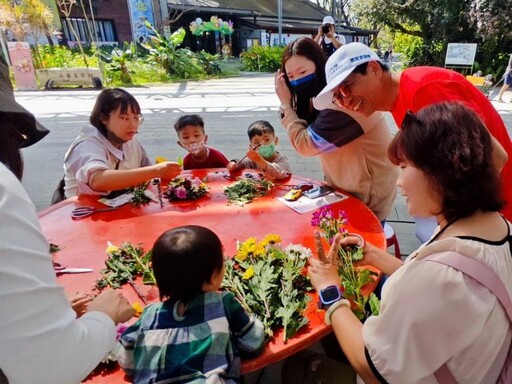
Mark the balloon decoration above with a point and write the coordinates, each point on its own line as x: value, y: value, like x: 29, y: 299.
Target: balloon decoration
x: 215, y: 24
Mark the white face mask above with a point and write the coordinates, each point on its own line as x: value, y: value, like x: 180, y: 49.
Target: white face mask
x: 194, y: 148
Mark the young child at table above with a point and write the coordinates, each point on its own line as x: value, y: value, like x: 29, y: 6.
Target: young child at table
x: 262, y: 154
x: 192, y: 137
x: 196, y: 332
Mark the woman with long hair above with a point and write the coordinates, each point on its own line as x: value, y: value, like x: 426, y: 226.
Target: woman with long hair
x: 352, y: 148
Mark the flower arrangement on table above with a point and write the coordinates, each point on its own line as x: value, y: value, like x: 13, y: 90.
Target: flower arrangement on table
x: 123, y: 265
x: 182, y: 188
x: 352, y: 278
x: 246, y: 190
x: 270, y: 281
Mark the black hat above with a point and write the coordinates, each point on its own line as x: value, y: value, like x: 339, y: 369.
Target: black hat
x: 23, y: 121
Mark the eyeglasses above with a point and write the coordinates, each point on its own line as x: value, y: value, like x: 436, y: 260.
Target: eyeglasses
x: 343, y: 90
x: 139, y: 119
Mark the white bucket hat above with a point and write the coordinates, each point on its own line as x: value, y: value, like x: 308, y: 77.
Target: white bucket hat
x: 341, y: 64
x: 328, y: 20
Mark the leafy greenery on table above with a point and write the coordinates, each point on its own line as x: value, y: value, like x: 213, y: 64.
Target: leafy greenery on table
x: 352, y: 278
x: 270, y: 281
x: 124, y: 264
x: 246, y: 190
x: 139, y: 195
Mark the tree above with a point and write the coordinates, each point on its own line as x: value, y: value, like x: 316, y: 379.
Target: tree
x: 440, y: 22
x: 341, y: 9
x: 28, y: 17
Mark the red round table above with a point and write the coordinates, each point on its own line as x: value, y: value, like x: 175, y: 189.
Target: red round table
x: 83, y: 242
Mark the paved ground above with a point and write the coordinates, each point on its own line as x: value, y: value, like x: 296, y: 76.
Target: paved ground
x: 228, y: 106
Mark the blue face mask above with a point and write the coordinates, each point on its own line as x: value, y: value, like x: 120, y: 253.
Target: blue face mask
x: 305, y: 86
x: 267, y: 151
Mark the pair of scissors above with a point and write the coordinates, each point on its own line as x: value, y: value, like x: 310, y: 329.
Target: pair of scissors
x: 82, y: 212
x: 59, y: 269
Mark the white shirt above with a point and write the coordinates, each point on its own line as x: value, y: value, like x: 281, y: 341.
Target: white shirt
x: 340, y: 38
x: 41, y: 340
x: 432, y: 314
x: 92, y: 152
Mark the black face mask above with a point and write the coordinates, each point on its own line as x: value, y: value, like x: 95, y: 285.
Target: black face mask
x: 305, y: 86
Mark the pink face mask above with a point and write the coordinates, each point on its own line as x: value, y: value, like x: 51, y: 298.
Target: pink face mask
x: 194, y: 148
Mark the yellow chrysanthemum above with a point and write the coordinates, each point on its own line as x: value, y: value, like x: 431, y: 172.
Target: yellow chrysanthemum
x: 248, y: 273
x: 111, y: 248
x: 138, y: 308
x: 271, y: 238
x: 246, y: 249
x: 160, y: 159
x: 259, y: 250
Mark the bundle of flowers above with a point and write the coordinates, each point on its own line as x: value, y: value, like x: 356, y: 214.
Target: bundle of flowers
x: 270, y: 282
x: 182, y: 188
x: 123, y: 265
x: 246, y: 190
x: 352, y: 278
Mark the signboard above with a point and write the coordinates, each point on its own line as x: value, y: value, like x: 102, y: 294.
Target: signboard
x: 460, y: 54
x: 22, y: 65
x: 140, y: 12
x: 272, y: 39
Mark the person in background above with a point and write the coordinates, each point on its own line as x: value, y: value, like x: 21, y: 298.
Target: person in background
x: 358, y: 81
x: 433, y: 317
x: 43, y: 340
x: 196, y: 334
x: 327, y: 37
x: 262, y: 154
x: 351, y: 147
x: 106, y: 156
x: 507, y: 79
x: 192, y: 137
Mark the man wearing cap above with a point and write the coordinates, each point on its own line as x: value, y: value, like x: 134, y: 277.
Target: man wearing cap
x: 357, y: 80
x: 327, y: 37
x: 42, y: 339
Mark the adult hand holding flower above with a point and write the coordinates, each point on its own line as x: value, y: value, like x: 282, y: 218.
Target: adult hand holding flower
x: 323, y: 271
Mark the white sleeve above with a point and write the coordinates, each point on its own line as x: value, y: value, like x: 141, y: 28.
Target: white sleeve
x: 341, y: 39
x: 42, y: 341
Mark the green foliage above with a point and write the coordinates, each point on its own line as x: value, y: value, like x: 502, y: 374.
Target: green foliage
x: 269, y: 282
x: 262, y: 59
x: 179, y: 62
x: 63, y: 57
x: 246, y: 190
x: 118, y: 61
x: 123, y: 265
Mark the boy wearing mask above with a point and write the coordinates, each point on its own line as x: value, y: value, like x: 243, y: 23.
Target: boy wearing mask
x: 262, y: 154
x: 191, y: 136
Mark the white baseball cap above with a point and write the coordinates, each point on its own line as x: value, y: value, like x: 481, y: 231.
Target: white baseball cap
x: 328, y: 20
x: 341, y: 64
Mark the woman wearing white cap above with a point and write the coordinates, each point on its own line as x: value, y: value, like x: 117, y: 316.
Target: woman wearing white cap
x: 351, y: 147
x: 327, y: 37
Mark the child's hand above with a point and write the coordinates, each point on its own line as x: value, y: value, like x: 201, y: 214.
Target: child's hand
x: 253, y: 155
x: 231, y: 166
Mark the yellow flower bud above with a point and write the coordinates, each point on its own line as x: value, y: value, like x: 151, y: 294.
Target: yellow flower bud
x: 111, y: 248
x: 160, y: 159
x: 248, y: 273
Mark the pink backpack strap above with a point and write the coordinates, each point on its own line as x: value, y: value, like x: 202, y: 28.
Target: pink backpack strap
x: 482, y: 274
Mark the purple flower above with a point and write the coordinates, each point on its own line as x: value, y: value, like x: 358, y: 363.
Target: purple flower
x: 181, y: 193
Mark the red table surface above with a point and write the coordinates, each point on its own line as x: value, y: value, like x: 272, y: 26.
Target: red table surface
x: 83, y: 243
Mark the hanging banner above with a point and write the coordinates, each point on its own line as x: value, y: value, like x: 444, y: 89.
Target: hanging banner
x: 140, y: 12
x: 22, y: 65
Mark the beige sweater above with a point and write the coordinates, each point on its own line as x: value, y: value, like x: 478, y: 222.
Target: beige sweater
x: 361, y: 167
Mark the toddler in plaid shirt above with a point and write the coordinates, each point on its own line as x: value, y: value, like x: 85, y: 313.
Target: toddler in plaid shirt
x: 195, y: 334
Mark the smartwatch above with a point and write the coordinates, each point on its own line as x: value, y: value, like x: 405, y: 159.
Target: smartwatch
x: 329, y: 295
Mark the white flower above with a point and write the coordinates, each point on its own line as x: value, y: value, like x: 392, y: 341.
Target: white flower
x: 297, y: 250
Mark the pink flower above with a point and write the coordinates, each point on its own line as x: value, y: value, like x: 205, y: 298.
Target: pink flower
x: 181, y: 192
